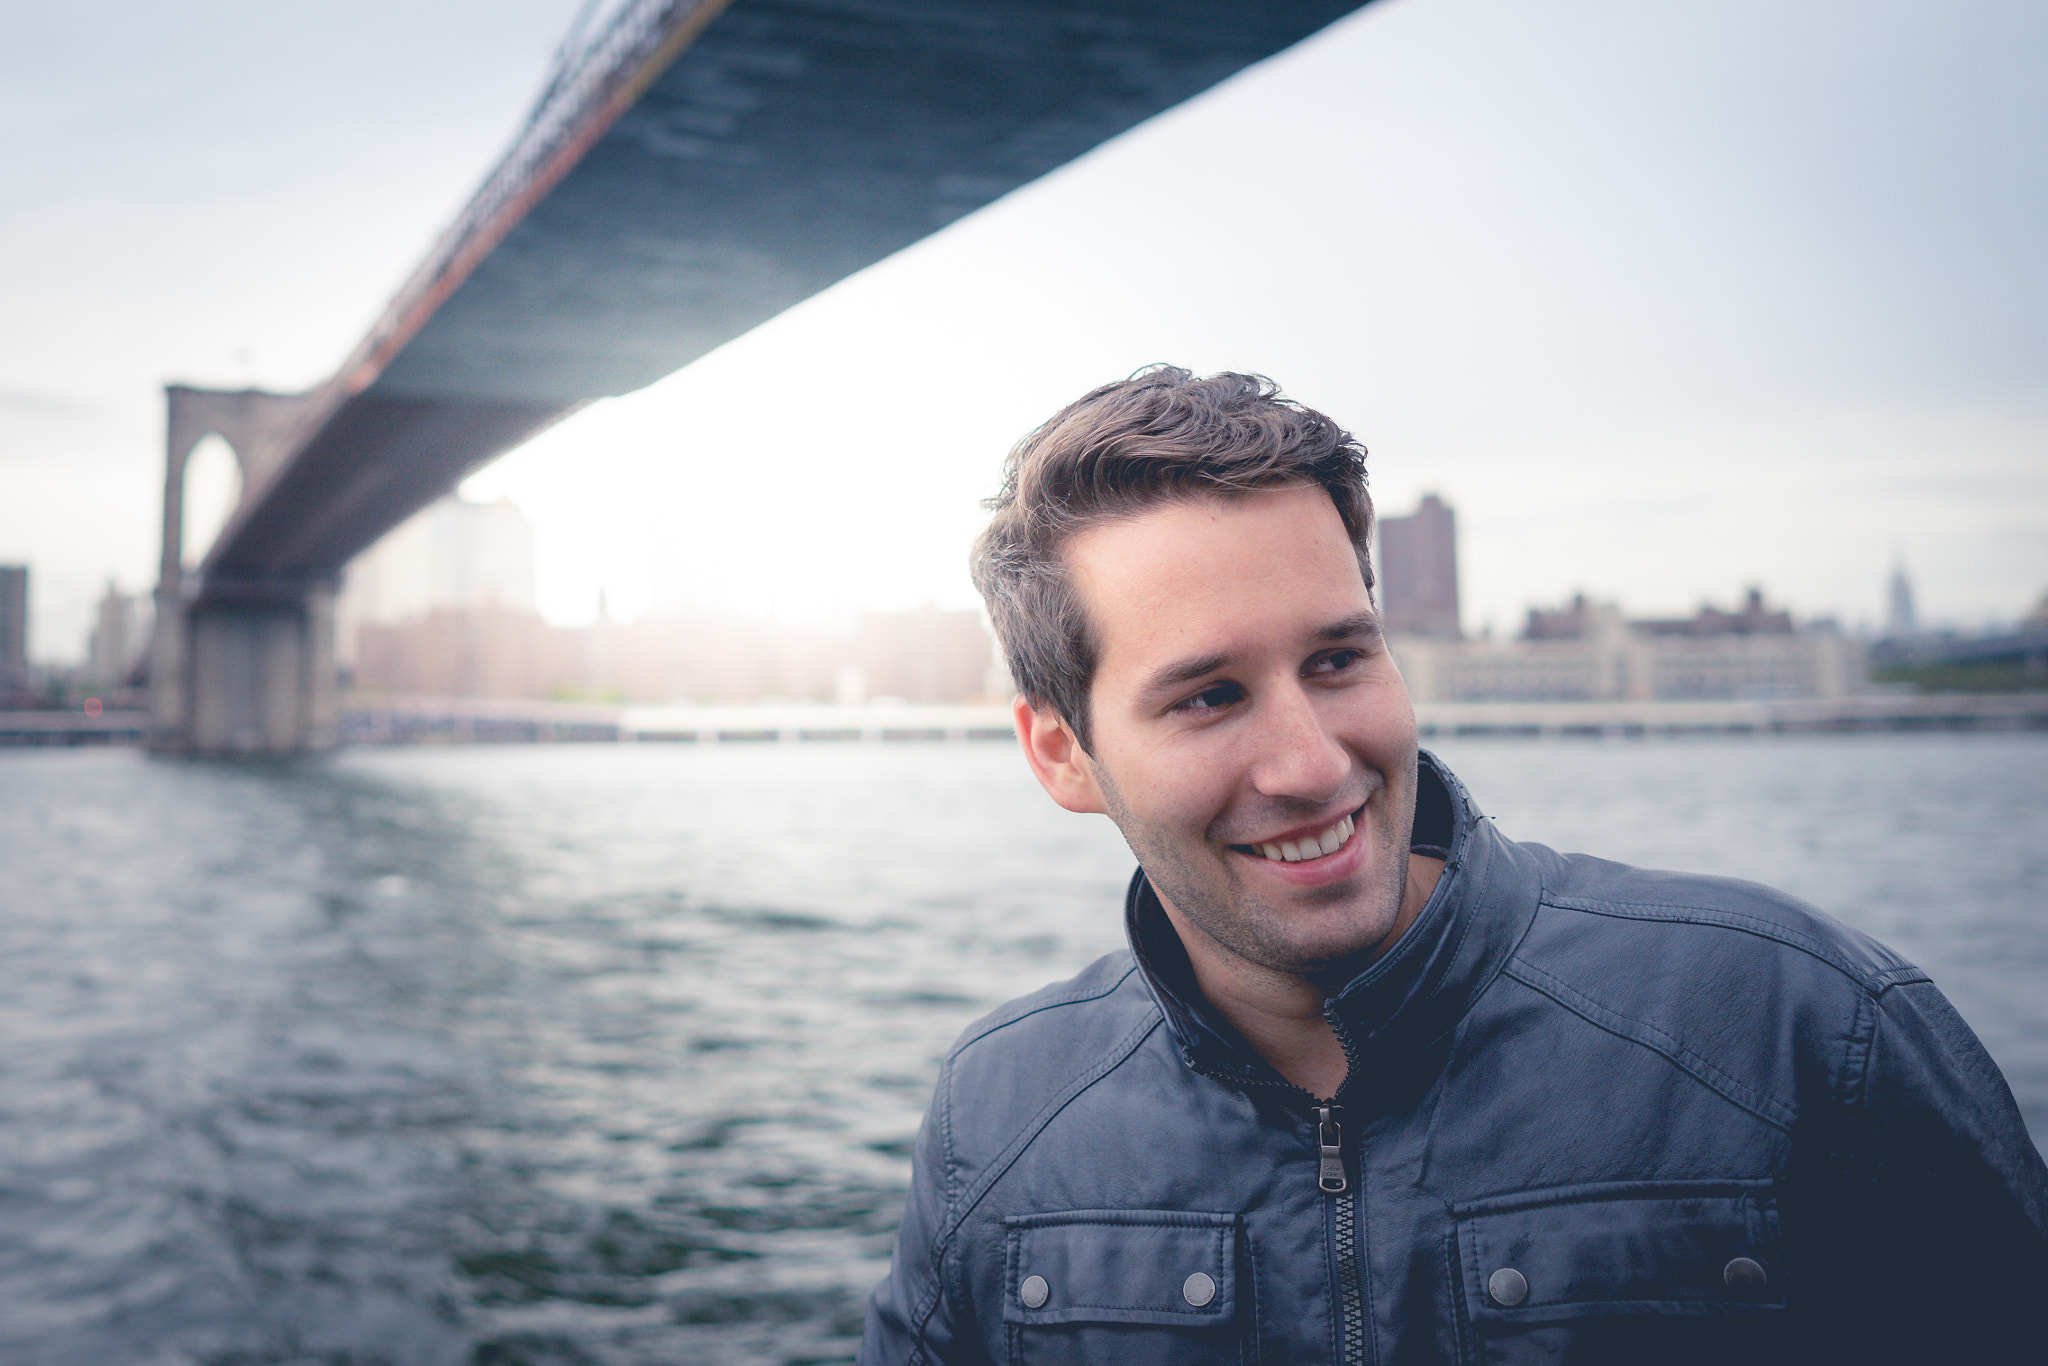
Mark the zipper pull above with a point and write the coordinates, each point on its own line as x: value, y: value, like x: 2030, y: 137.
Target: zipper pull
x: 1330, y: 1178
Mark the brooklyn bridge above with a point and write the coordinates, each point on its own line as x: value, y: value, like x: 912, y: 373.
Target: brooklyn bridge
x: 691, y: 169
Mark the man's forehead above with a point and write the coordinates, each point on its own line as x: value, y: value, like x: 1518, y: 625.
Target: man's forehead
x: 1284, y: 523
x: 1158, y: 531
x: 1213, y: 575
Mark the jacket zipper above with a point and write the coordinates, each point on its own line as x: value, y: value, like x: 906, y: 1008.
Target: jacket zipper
x: 1335, y: 1183
x: 1332, y: 1181
x: 1330, y: 1178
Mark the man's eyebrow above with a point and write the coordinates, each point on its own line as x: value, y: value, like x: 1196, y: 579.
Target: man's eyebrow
x: 1171, y: 676
x: 1366, y: 623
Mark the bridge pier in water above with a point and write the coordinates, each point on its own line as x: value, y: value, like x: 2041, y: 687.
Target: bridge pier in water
x: 238, y: 665
x: 257, y: 676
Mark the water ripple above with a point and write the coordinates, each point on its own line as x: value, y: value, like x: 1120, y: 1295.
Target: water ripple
x: 475, y: 1057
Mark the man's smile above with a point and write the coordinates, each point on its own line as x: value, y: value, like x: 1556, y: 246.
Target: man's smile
x: 1305, y: 845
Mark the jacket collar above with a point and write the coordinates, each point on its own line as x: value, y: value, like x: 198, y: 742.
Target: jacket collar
x: 1409, y: 997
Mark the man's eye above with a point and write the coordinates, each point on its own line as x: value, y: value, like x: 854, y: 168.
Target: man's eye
x: 1335, y: 662
x: 1214, y: 696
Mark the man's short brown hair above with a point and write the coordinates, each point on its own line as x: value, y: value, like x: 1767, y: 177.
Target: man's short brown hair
x: 1162, y: 435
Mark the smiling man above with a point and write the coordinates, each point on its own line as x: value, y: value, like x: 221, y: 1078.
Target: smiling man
x: 1375, y: 1083
x: 1264, y: 751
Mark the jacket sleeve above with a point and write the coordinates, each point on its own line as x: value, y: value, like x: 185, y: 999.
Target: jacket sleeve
x: 1943, y: 1229
x: 910, y: 1321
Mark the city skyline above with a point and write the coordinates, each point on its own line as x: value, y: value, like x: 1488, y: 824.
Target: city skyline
x: 465, y: 554
x: 1666, y: 304
x: 400, y: 580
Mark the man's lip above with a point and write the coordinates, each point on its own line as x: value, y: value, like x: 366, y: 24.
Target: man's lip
x: 1295, y: 835
x: 1323, y: 870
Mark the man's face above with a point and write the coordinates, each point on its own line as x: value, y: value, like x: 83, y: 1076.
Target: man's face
x: 1244, y: 702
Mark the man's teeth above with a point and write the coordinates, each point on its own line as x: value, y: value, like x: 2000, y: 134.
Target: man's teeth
x: 1315, y: 846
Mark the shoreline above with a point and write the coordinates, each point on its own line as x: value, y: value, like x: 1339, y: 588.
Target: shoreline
x: 426, y: 720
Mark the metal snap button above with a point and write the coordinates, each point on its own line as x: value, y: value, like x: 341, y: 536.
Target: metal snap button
x: 1198, y: 1289
x: 1744, y: 1273
x: 1508, y: 1287
x: 1034, y: 1292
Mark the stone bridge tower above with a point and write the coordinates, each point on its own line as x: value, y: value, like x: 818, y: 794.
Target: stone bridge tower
x: 236, y: 667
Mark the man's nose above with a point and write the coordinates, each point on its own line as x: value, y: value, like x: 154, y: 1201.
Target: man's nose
x: 1299, y: 756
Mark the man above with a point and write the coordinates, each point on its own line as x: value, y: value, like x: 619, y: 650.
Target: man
x: 1375, y: 1083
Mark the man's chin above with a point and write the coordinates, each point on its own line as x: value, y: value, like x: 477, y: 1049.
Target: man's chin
x: 1336, y: 956
x: 1332, y: 968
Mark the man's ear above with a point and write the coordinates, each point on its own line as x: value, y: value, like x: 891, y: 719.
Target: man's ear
x: 1056, y: 757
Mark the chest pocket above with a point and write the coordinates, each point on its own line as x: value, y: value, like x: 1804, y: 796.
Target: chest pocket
x: 1135, y: 1287
x: 1651, y: 1271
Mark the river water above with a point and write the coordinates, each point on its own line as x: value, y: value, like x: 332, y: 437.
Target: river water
x: 614, y: 1054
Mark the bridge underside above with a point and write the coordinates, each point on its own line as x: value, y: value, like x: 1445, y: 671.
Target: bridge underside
x: 732, y: 160
x: 795, y: 142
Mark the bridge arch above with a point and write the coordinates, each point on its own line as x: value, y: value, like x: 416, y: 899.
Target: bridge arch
x: 257, y: 426
x: 213, y: 489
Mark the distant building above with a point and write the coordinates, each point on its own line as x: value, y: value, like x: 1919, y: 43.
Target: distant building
x: 1901, y: 621
x: 1588, y: 652
x: 119, y: 638
x: 1753, y: 620
x: 13, y: 631
x: 1418, y: 572
x: 924, y: 655
x: 453, y: 555
x: 444, y: 606
x: 1576, y: 621
x: 698, y: 655
x: 476, y: 652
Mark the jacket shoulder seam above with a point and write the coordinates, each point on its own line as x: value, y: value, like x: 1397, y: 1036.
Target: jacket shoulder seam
x: 1904, y: 975
x: 944, y: 1103
x: 1039, y: 1005
x: 1874, y: 980
x: 1859, y: 1050
x: 1647, y: 1035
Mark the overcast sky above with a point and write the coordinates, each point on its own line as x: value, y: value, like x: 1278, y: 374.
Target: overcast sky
x: 1667, y: 299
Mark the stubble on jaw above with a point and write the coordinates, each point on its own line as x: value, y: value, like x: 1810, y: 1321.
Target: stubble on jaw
x: 1255, y: 940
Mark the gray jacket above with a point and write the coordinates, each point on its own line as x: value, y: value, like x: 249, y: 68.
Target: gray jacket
x: 1594, y: 1113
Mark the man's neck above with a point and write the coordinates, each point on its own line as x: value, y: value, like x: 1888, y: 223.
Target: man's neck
x: 1280, y: 1013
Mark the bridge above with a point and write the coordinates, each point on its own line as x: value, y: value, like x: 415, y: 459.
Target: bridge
x: 692, y: 168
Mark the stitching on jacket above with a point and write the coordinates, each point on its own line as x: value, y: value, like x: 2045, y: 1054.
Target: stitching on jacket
x: 1859, y: 1048
x: 1903, y: 975
x: 1466, y: 1280
x: 1653, y: 1038
x: 1858, y: 1052
x: 1255, y: 1350
x: 1761, y: 926
x: 1066, y: 999
x: 942, y: 1101
x: 945, y: 1094
x: 956, y: 1216
x: 1606, y: 1192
